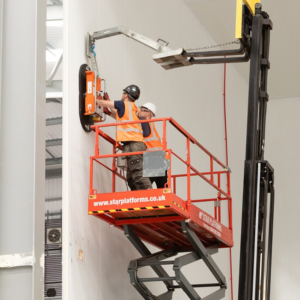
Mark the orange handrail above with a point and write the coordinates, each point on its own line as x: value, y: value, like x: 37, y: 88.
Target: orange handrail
x: 191, y: 171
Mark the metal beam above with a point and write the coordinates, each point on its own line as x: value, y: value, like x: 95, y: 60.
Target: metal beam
x: 53, y: 199
x: 50, y: 154
x: 56, y: 2
x: 55, y: 172
x: 50, y: 49
x: 53, y: 168
x: 56, y: 100
x: 54, y: 71
x: 54, y: 142
x: 53, y: 161
x: 54, y: 121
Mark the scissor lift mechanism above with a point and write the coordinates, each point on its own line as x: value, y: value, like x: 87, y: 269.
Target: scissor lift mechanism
x: 258, y: 174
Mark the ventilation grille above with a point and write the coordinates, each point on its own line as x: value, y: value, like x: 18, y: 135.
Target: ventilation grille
x: 53, y: 258
x: 54, y: 236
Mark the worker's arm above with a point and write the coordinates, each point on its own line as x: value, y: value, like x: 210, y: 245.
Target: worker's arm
x: 145, y: 127
x: 109, y: 104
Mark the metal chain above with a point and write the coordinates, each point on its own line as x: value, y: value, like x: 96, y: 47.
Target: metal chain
x: 237, y: 41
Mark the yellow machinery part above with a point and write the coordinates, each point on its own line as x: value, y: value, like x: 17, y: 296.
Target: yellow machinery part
x: 239, y: 14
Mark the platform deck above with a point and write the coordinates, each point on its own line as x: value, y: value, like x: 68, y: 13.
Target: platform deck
x: 155, y: 217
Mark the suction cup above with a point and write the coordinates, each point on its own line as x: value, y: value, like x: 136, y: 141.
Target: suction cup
x: 86, y: 121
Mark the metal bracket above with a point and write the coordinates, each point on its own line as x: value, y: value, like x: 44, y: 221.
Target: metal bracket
x: 166, y: 57
x: 155, y: 164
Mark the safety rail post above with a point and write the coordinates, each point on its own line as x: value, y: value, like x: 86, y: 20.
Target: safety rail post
x: 219, y: 196
x: 211, y: 169
x: 170, y: 170
x: 97, y: 141
x: 229, y: 201
x: 219, y: 207
x: 114, y: 170
x: 91, y: 174
x: 164, y: 134
x: 215, y: 210
x: 174, y: 185
x: 188, y: 175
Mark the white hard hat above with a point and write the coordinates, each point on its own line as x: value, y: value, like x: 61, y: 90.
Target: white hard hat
x: 151, y: 107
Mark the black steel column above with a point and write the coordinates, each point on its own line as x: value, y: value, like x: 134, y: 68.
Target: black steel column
x: 249, y: 195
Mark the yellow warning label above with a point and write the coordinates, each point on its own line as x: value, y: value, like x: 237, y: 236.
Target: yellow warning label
x: 130, y: 209
x: 166, y: 190
x: 92, y: 197
x: 179, y: 206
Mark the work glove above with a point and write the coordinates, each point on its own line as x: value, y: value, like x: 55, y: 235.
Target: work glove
x: 106, y: 111
x: 105, y: 96
x: 99, y: 97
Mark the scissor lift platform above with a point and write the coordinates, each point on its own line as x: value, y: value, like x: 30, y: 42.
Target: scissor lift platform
x: 155, y: 217
x: 161, y: 218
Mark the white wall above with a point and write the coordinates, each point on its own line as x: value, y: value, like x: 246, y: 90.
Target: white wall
x: 193, y: 96
x: 282, y: 151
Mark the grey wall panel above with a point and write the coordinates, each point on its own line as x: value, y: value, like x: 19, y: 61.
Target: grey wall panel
x: 193, y: 96
x: 1, y: 49
x: 22, y: 277
x: 22, y: 147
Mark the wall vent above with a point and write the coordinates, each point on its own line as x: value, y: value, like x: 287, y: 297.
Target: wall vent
x: 54, y: 236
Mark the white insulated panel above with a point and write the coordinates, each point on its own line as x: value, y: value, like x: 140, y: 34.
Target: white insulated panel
x: 282, y: 151
x: 193, y: 96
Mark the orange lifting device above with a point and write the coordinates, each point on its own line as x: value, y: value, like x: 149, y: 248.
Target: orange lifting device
x: 162, y: 218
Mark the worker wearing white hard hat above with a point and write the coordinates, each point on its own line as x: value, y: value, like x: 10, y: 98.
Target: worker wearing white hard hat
x: 153, y: 141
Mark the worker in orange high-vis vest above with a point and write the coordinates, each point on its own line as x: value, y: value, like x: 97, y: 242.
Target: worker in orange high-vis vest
x: 153, y: 141
x: 130, y: 135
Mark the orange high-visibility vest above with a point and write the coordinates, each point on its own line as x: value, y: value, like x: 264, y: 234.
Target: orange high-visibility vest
x: 129, y: 132
x: 153, y: 141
